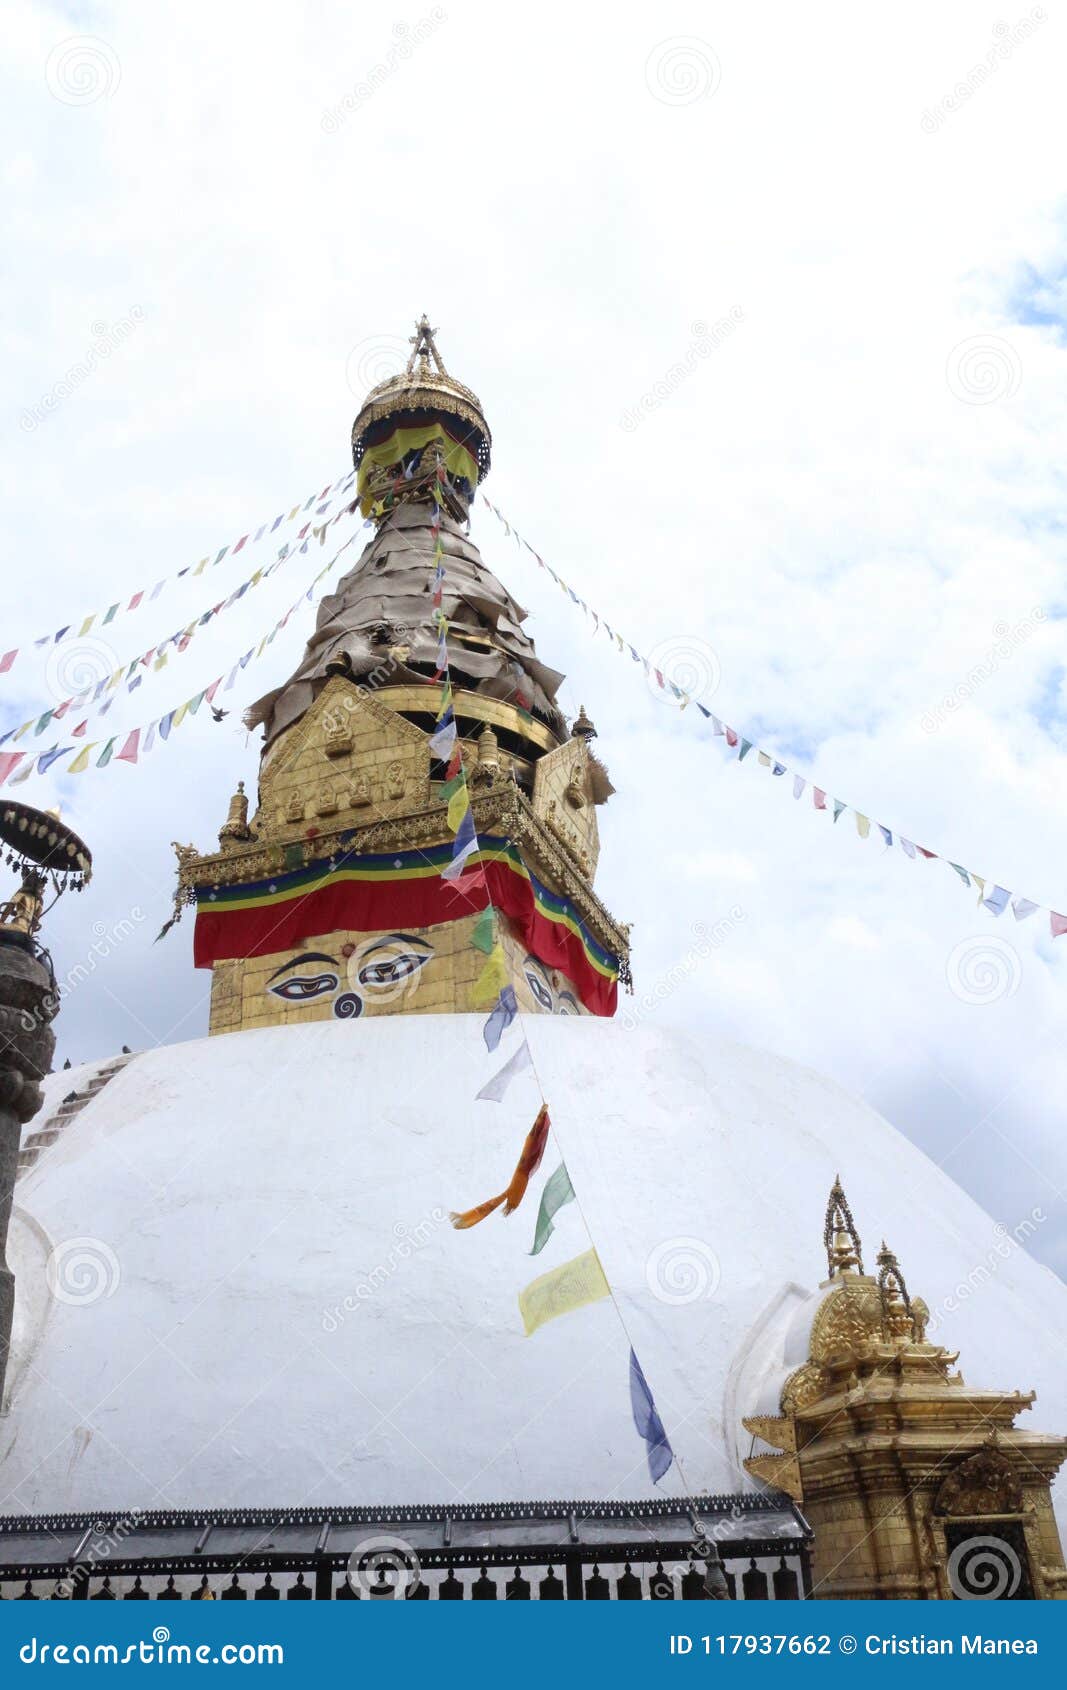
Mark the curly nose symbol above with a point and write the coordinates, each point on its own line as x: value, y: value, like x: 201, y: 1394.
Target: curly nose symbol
x: 348, y: 1006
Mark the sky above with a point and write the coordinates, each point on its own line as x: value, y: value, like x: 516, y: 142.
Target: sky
x: 767, y: 312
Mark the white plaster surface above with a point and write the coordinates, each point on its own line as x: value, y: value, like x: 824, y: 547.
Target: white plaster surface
x: 284, y: 1314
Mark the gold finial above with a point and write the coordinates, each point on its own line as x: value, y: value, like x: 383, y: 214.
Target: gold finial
x: 235, y: 828
x: 425, y: 348
x: 583, y: 727
x: 897, y: 1314
x: 839, y: 1235
x: 487, y: 768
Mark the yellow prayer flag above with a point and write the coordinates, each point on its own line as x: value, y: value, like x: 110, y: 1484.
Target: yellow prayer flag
x: 179, y: 714
x: 458, y: 805
x: 199, y: 570
x: 81, y: 761
x: 256, y: 578
x: 18, y: 733
x: 571, y: 1286
x: 86, y: 625
x: 980, y: 883
x: 492, y: 980
x: 764, y: 759
x: 161, y: 661
x: 863, y: 825
x: 292, y: 513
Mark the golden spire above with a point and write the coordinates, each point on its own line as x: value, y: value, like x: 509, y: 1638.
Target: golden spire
x: 897, y: 1314
x: 235, y: 828
x: 839, y: 1235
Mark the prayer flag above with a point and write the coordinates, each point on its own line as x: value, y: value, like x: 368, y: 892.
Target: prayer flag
x: 648, y: 1423
x: 558, y: 1191
x: 81, y: 761
x: 494, y: 1089
x: 483, y: 935
x: 1022, y: 907
x: 571, y: 1286
x: 8, y: 761
x: 492, y: 979
x: 997, y: 900
x: 503, y: 1014
x: 1058, y: 923
x: 128, y: 754
x: 529, y: 1161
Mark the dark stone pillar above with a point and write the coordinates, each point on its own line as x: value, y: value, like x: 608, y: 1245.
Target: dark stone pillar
x: 28, y: 1004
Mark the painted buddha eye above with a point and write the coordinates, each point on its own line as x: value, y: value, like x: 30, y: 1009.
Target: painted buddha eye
x: 539, y: 989
x: 568, y: 1004
x: 391, y: 970
x: 302, y: 988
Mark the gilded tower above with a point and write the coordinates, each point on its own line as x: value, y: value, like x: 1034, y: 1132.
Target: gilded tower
x: 917, y: 1484
x: 331, y: 898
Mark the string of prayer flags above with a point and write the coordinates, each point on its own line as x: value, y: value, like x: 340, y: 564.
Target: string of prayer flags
x: 558, y: 1191
x: 562, y: 1290
x: 996, y: 902
x: 529, y: 1161
x: 503, y: 1014
x: 140, y: 740
x: 494, y: 1089
x: 79, y: 629
x: 648, y: 1423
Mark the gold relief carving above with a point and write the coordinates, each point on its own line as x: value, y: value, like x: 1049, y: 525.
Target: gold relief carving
x: 359, y: 794
x: 294, y: 809
x: 326, y: 799
x: 848, y: 1321
x: 983, y: 1484
x: 806, y: 1385
x: 338, y: 736
x: 394, y: 780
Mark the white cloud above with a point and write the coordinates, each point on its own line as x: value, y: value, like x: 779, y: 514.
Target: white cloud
x: 815, y: 502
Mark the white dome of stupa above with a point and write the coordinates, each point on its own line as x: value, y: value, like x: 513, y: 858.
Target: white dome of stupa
x: 257, y: 1297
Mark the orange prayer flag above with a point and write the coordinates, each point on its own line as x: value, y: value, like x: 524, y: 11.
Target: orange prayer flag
x: 528, y: 1164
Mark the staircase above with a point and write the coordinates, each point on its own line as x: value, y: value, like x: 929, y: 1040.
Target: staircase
x: 53, y: 1125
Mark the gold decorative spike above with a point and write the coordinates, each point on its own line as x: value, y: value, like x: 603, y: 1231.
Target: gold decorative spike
x: 780, y: 1471
x: 425, y: 348
x: 839, y: 1235
x: 235, y: 829
x: 778, y: 1430
x: 583, y: 727
x: 898, y: 1316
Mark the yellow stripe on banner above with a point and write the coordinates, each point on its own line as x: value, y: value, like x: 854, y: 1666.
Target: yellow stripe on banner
x: 571, y: 1286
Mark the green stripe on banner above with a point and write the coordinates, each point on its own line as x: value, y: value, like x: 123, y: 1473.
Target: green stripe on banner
x: 558, y: 1191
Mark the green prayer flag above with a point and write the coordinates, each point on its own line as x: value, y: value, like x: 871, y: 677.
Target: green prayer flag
x: 484, y: 936
x: 962, y: 872
x: 558, y: 1191
x: 109, y: 615
x: 105, y: 755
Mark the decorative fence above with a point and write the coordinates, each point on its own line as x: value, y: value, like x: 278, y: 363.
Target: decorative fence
x: 737, y: 1547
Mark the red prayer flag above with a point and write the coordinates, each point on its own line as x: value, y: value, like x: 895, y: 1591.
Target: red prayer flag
x: 8, y: 760
x: 240, y: 542
x: 135, y: 601
x: 1058, y: 923
x: 80, y: 729
x: 7, y: 660
x: 820, y: 797
x: 128, y: 754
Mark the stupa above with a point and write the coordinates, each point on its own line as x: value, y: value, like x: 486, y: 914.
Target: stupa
x: 278, y: 1346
